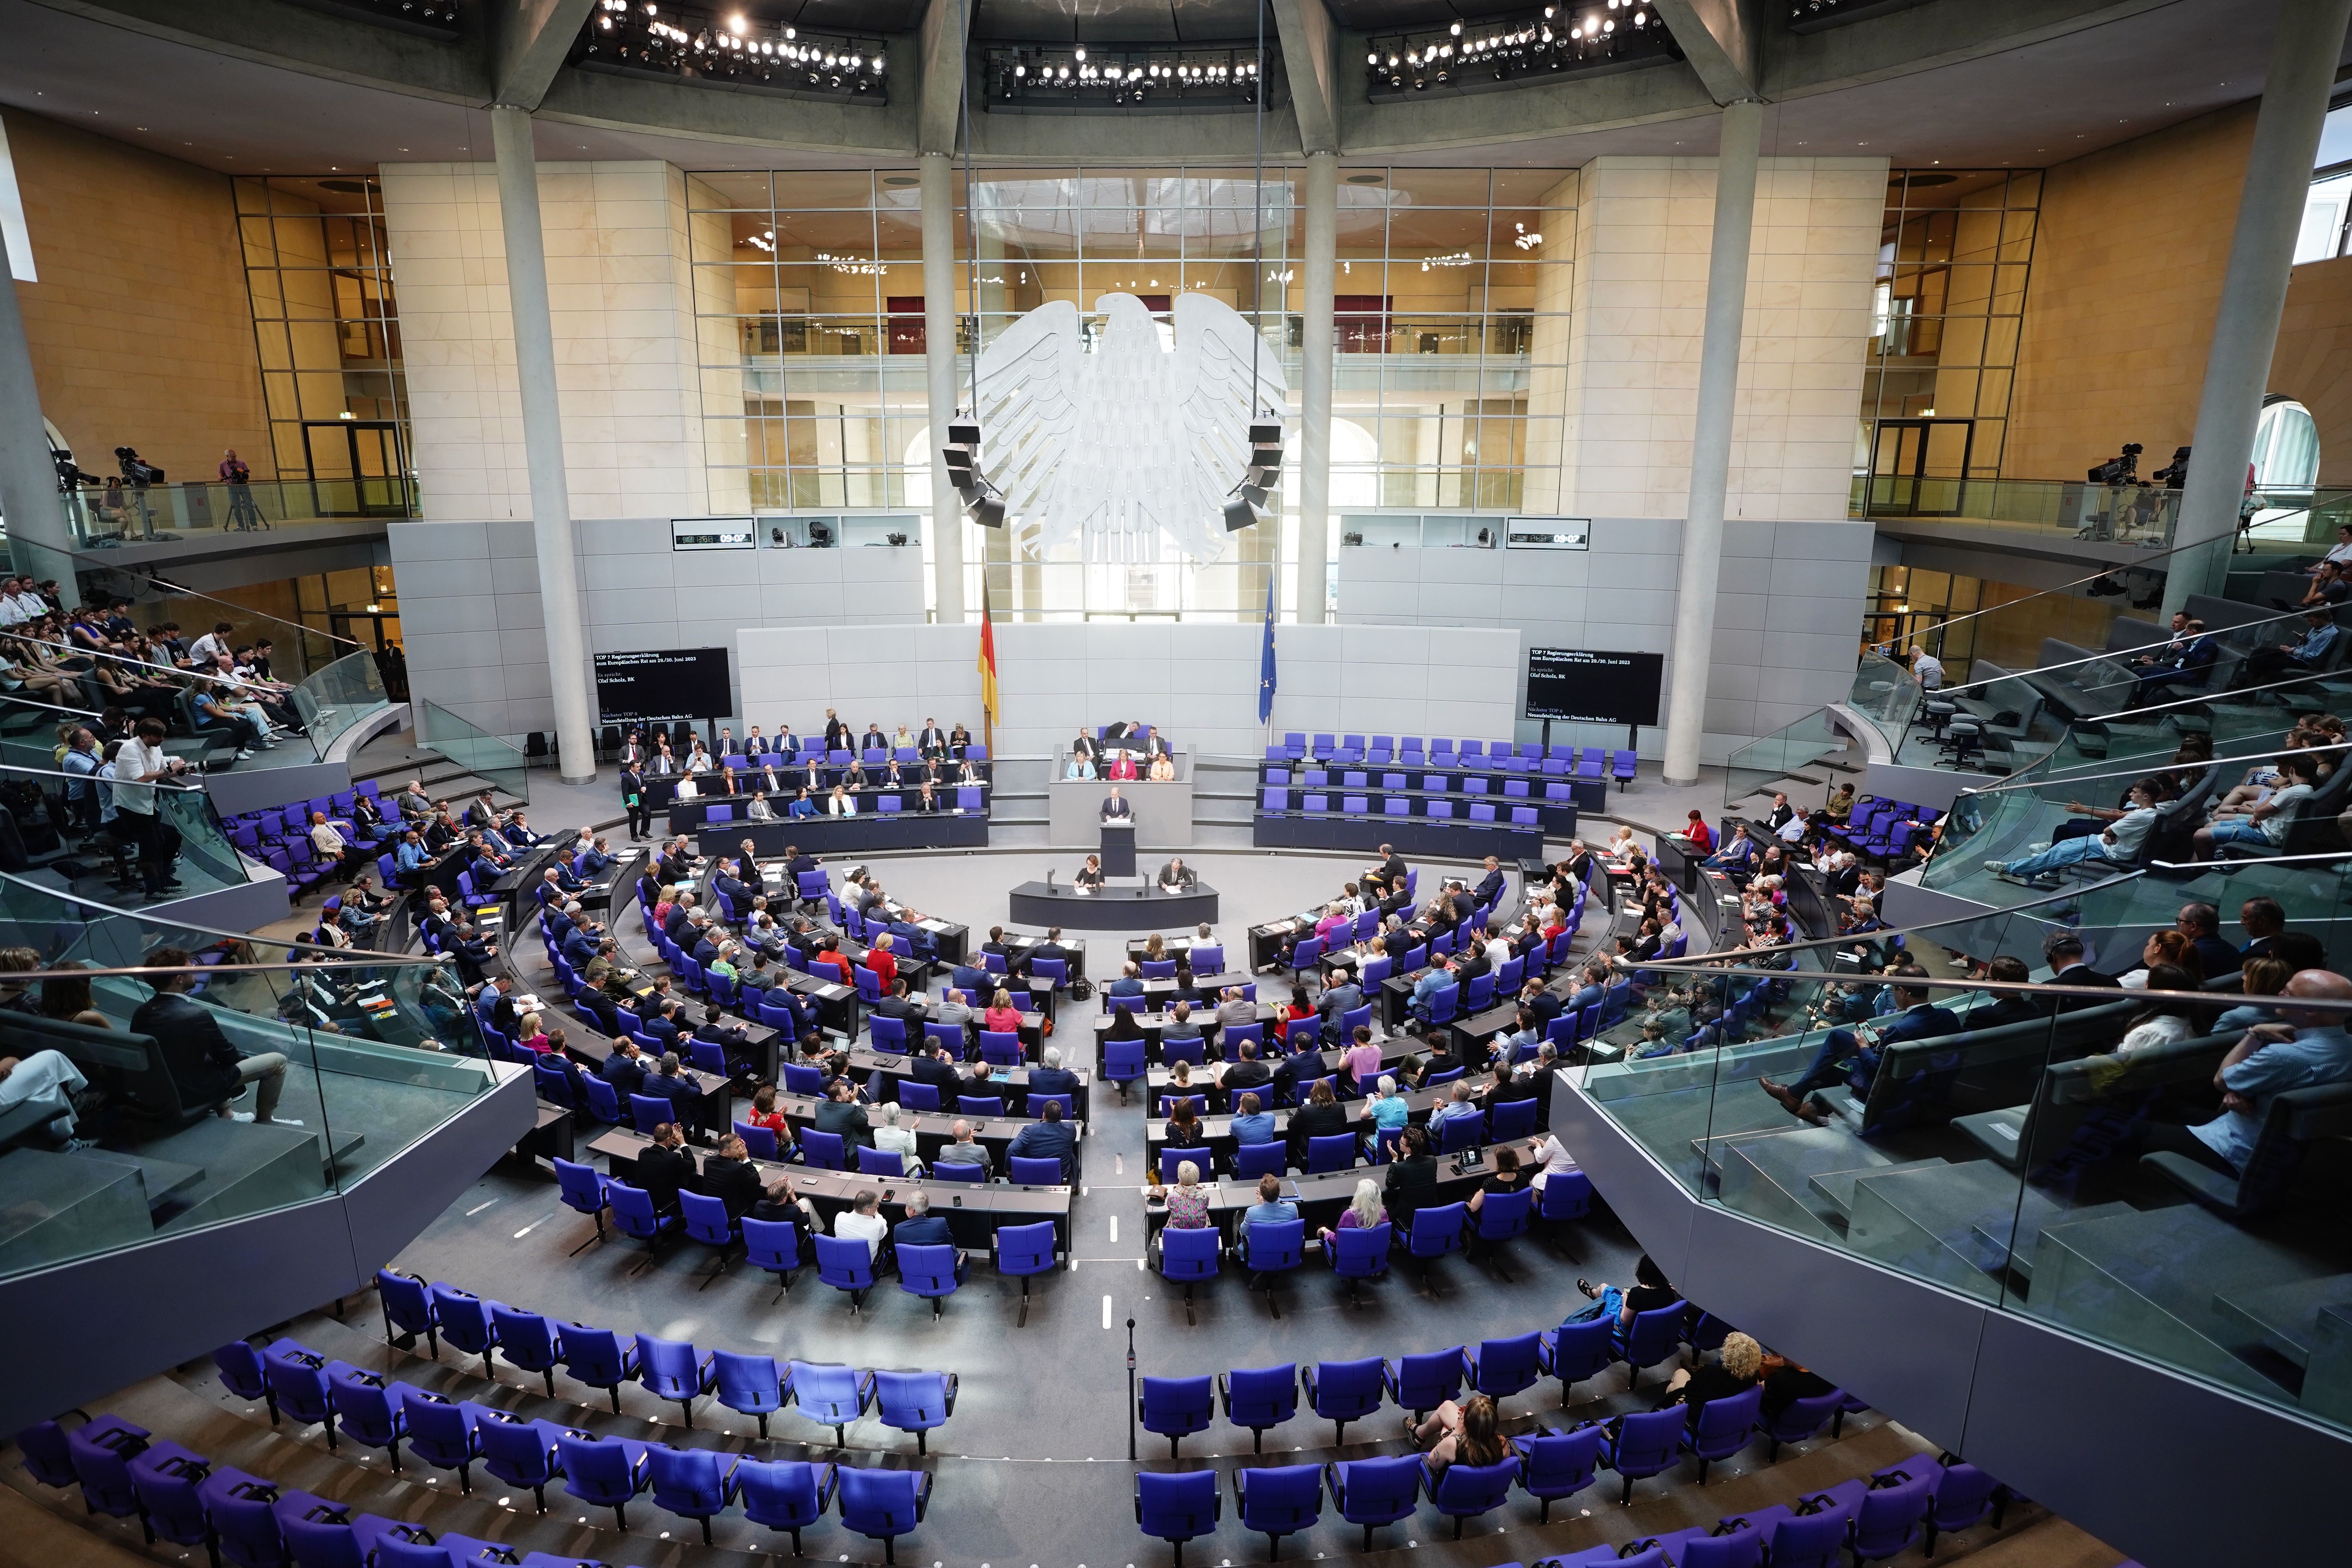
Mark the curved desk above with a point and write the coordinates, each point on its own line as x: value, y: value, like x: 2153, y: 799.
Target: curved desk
x: 1112, y: 909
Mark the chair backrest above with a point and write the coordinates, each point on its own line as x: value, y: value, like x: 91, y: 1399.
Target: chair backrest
x: 1176, y: 1507
x: 1656, y: 1334
x: 1188, y: 1254
x: 1883, y: 1522
x: 1559, y: 1464
x: 1033, y: 1172
x: 1278, y: 1245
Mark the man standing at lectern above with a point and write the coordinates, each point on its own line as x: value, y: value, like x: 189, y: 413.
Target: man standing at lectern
x: 1178, y: 877
x: 1114, y: 809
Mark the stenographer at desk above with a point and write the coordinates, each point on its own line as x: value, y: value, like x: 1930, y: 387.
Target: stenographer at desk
x: 1115, y: 809
x: 1089, y: 879
x: 1178, y: 877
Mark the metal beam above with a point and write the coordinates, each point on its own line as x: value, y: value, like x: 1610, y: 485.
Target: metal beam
x: 940, y: 43
x: 1310, y: 58
x: 528, y: 43
x: 1719, y: 37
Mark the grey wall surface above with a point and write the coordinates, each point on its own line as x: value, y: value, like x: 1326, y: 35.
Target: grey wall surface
x: 2036, y: 1406
x: 1788, y: 614
x: 469, y: 604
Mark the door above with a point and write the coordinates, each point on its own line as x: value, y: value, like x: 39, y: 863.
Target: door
x: 1918, y: 465
x: 355, y: 468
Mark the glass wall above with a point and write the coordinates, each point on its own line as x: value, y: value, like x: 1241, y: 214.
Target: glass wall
x: 1451, y: 296
x: 1946, y: 318
x: 318, y: 273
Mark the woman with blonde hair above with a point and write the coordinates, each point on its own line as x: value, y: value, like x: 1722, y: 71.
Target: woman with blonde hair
x: 1364, y: 1212
x: 1739, y: 1365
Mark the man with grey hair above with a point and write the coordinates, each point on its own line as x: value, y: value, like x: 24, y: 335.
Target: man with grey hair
x: 963, y: 1150
x: 921, y: 1228
x: 1052, y: 1077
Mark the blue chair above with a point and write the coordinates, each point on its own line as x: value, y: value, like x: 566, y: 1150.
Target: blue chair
x: 1027, y: 1172
x: 1556, y: 1464
x: 1252, y: 1161
x: 465, y: 1322
x: 668, y: 1370
x: 298, y: 1376
x: 245, y: 1523
x: 1512, y: 1120
x: 1436, y: 1232
x: 747, y: 1384
x: 604, y: 1473
x: 241, y: 1374
x: 829, y: 1393
x: 1024, y: 1252
x: 914, y: 1401
x: 824, y: 1151
x: 98, y: 1453
x: 1799, y: 1420
x: 1501, y: 1216
x: 407, y: 1309
x: 1344, y: 1390
x: 1267, y: 1250
x: 1178, y: 1507
x: 1655, y: 1335
x: 1643, y: 1443
x: 1278, y: 1501
x: 1334, y: 1153
x: 1188, y: 1257
x: 1123, y: 1063
x: 884, y: 1162
x: 774, y: 1246
x: 1374, y: 1492
x: 1500, y: 1368
x: 1260, y: 1398
x: 933, y: 1272
x: 1566, y: 1196
x: 692, y: 1483
x: 530, y: 1342
x: 441, y: 1432
x: 1361, y: 1254
x: 1575, y: 1350
x: 846, y: 1263
x: 1812, y: 1539
x: 598, y: 1358
x: 1723, y: 1428
x: 883, y: 1505
x: 368, y: 1409
x: 165, y: 1476
x: 633, y: 1215
x: 1887, y: 1520
x: 1964, y: 1494
x: 1175, y: 1407
x: 1422, y: 1383
x: 787, y: 1495
x: 1465, y: 1492
x: 519, y: 1453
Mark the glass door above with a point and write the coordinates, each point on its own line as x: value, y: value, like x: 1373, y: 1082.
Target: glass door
x: 355, y: 468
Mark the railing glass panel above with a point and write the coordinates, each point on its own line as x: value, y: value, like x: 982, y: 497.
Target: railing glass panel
x: 476, y: 749
x: 333, y: 699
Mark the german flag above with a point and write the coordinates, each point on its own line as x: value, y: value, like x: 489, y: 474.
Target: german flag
x: 987, y: 668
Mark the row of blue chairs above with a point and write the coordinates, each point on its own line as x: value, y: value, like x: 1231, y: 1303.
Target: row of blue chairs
x: 1869, y: 1520
x: 961, y: 797
x: 1514, y: 786
x: 1274, y: 799
x: 839, y: 756
x: 1295, y: 745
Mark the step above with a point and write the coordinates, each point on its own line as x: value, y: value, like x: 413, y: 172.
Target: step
x: 247, y: 1167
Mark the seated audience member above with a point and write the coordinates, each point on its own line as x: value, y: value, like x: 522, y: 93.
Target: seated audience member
x: 2260, y: 977
x: 893, y: 1139
x: 963, y: 1150
x: 1467, y: 1434
x: 1504, y: 1177
x: 2164, y: 1020
x: 1187, y: 1205
x: 1320, y: 1117
x: 205, y: 1068
x: 1921, y: 1019
x: 2007, y: 1007
x: 1271, y: 1208
x: 1650, y: 1292
x: 1048, y: 1138
x: 1414, y: 1169
x: 664, y: 1166
x: 2312, y: 1049
x: 863, y: 1220
x: 1364, y: 1212
x: 2262, y: 824
x: 921, y: 1228
x: 729, y: 1176
x: 838, y: 1113
x: 1251, y: 1123
x: 1741, y: 1363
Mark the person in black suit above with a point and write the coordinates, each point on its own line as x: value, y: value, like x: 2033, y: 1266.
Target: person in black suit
x: 836, y: 733
x: 672, y: 1082
x: 934, y: 1067
x: 1178, y: 877
x: 1053, y: 1078
x: 715, y: 1028
x: 664, y: 1166
x: 1049, y: 1138
x: 1320, y: 1117
x: 1490, y: 889
x: 1388, y: 875
x: 2261, y: 919
x: 1050, y: 948
x: 933, y: 740
x: 921, y: 1228
x: 1247, y: 1072
x: 1115, y: 809
x: 729, y: 1176
x: 2201, y: 924
x: 1920, y: 1019
x: 625, y: 1070
x: 1413, y: 1170
x: 1013, y: 961
x: 633, y: 802
x: 874, y: 739
x: 2064, y: 950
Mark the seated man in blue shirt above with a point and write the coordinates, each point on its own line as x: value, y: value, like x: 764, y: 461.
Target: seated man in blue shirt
x: 1271, y: 1208
x: 1920, y: 1019
x: 1251, y: 1123
x: 2310, y: 652
x: 413, y: 860
x: 1128, y: 983
x: 1052, y: 1077
x: 1425, y: 989
x: 1048, y: 1138
x: 2310, y: 1048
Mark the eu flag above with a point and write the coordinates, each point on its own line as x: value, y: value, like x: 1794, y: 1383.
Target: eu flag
x: 1265, y: 660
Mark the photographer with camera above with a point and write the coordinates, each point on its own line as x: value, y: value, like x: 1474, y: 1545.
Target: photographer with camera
x: 138, y: 819
x: 243, y: 515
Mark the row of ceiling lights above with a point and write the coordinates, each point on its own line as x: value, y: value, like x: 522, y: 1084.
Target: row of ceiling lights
x: 639, y: 33
x: 1561, y: 35
x: 1121, y: 75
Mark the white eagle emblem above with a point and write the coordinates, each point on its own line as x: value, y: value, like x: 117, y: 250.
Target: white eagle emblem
x: 1129, y: 441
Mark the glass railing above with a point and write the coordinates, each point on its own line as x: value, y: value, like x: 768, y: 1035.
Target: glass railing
x: 311, y: 1075
x: 2062, y: 1153
x: 57, y: 811
x: 333, y: 699
x: 110, y: 517
x: 1787, y: 751
x: 2142, y: 516
x: 476, y: 749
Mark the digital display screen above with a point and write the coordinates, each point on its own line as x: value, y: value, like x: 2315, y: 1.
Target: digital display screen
x: 714, y: 533
x: 1594, y: 688
x: 663, y: 684
x: 1548, y: 533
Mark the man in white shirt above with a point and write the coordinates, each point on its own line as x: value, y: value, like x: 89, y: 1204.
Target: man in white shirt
x: 863, y: 1220
x: 2264, y: 824
x: 1928, y: 670
x: 2120, y: 841
x: 208, y: 649
x: 137, y: 766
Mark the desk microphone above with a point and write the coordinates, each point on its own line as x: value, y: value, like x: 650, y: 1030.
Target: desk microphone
x: 1049, y: 879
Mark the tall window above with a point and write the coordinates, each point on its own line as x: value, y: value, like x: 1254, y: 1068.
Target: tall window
x: 1452, y: 295
x: 2328, y: 214
x: 1950, y: 304
x: 318, y: 274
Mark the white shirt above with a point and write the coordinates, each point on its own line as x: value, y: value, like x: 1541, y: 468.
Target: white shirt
x: 870, y: 1228
x: 2162, y: 1030
x: 899, y: 1141
x: 841, y: 806
x: 1554, y: 1158
x: 685, y: 789
x: 135, y: 761
x: 1929, y: 669
x: 207, y: 650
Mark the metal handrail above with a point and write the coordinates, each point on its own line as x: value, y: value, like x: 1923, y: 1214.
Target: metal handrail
x: 2011, y: 988
x: 2151, y: 767
x: 23, y: 701
x: 2097, y: 658
x: 241, y: 610
x: 171, y: 670
x: 86, y: 778
x: 346, y: 955
x: 23, y: 976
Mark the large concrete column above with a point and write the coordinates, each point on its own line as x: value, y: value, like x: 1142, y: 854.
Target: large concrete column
x: 1315, y: 342
x: 542, y: 437
x: 1719, y: 390
x: 939, y: 376
x: 2254, y: 290
x: 39, y: 536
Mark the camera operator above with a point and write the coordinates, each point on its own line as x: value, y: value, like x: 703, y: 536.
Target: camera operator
x: 138, y: 820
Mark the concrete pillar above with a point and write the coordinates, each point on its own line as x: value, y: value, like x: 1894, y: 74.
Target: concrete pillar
x: 939, y: 376
x: 2253, y: 292
x: 542, y: 437
x: 39, y: 536
x: 1321, y: 268
x: 1718, y: 389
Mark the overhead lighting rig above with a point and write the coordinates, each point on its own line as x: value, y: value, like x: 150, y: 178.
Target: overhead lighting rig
x: 426, y: 18
x: 983, y: 501
x: 1812, y: 16
x: 1248, y: 502
x: 730, y: 48
x: 1031, y: 79
x: 1587, y: 39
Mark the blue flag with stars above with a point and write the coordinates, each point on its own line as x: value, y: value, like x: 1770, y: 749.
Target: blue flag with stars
x: 1266, y: 661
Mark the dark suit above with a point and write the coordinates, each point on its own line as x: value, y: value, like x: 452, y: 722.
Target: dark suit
x: 1400, y: 1194
x: 941, y: 1076
x: 1052, y: 1081
x: 1115, y: 810
x: 847, y: 1120
x: 1925, y: 1021
x: 1047, y: 1141
x: 734, y: 1182
x: 2218, y: 957
x: 661, y: 1171
x: 2083, y: 974
x: 626, y: 1074
x: 1184, y: 877
x: 1314, y: 1121
x: 1491, y: 888
x: 931, y: 1230
x: 685, y: 1098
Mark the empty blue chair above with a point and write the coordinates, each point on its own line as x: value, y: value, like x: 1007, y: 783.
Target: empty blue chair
x: 581, y: 1188
x: 1270, y: 1249
x: 1178, y: 1507
x: 1436, y: 1232
x: 883, y: 1505
x: 1798, y: 1420
x: 1964, y: 1494
x: 1335, y: 1152
x: 1723, y: 1428
x: 1175, y: 1407
x: 747, y: 1384
x: 633, y: 1215
x: 368, y: 1409
x: 407, y: 1309
x: 873, y: 1161
x: 1361, y: 1254
x: 165, y: 1478
x: 1374, y: 1492
x: 1344, y: 1390
x: 846, y: 1263
x: 829, y: 1393
x: 1556, y: 1464
x: 441, y: 1432
x: 692, y: 1483
x: 1887, y: 1520
x: 787, y: 1495
x: 98, y: 1453
x: 1278, y: 1501
x: 1812, y: 1539
x: 598, y: 1358
x: 823, y: 1151
x: 1252, y: 1161
x: 1464, y: 1491
x: 519, y: 1453
x: 914, y: 1401
x: 1500, y: 1368
x: 1644, y: 1443
x: 1024, y: 1252
x: 1655, y: 1335
x: 1260, y: 1398
x: 668, y: 1370
x: 1501, y: 1216
x: 1422, y: 1383
x: 1575, y: 1350
x: 774, y: 1246
x: 241, y: 1374
x: 244, y: 1522
x: 604, y: 1473
x: 1511, y: 1120
x: 1024, y: 1171
x: 931, y: 1272
x: 298, y: 1377
x: 1566, y: 1196
x: 1190, y: 1256
x: 530, y: 1342
x: 465, y: 1322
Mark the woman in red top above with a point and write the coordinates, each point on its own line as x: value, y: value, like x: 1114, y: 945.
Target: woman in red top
x: 1297, y: 1008
x: 1700, y: 836
x: 833, y: 959
x: 763, y: 1110
x: 878, y: 960
x: 1003, y: 1017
